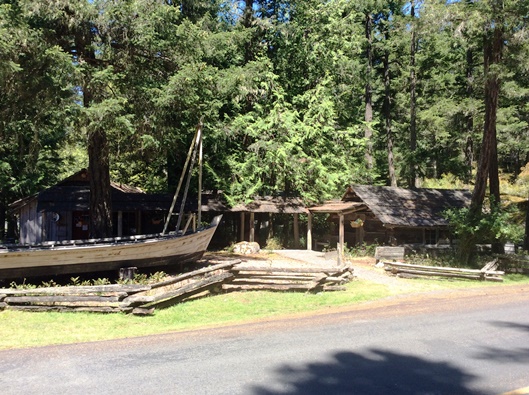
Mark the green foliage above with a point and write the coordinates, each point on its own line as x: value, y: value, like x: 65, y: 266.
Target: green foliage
x: 360, y: 250
x: 273, y: 243
x: 280, y: 86
x: 493, y: 226
x: 23, y: 285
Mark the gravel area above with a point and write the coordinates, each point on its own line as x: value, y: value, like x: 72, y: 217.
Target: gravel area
x: 364, y: 268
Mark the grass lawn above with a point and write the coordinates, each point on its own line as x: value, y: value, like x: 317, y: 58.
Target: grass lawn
x: 23, y: 329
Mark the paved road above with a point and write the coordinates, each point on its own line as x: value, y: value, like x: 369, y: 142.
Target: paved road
x: 472, y: 342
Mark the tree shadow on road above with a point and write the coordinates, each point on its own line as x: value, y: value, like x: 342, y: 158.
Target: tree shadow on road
x: 374, y: 372
x: 510, y: 325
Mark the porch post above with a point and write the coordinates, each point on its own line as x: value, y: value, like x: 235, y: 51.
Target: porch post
x: 252, y: 227
x: 120, y: 223
x: 296, y: 230
x: 341, y: 240
x: 242, y: 226
x: 309, y: 231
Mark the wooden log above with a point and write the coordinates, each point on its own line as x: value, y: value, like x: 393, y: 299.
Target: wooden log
x: 338, y: 280
x: 62, y: 309
x: 137, y: 300
x: 437, y: 268
x: 301, y: 277
x: 334, y: 288
x: 60, y: 298
x: 205, y: 290
x: 268, y: 281
x: 266, y: 287
x: 192, y: 287
x: 142, y: 311
x: 111, y: 290
x: 195, y: 273
x: 3, y: 305
x: 2, y: 296
x: 317, y: 283
x: 410, y: 276
x: 300, y: 270
x: 438, y: 274
x: 490, y: 266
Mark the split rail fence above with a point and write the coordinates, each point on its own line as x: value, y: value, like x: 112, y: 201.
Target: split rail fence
x: 144, y: 299
x: 487, y: 273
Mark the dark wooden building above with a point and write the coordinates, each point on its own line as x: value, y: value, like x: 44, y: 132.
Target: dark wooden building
x: 393, y: 216
x: 61, y: 212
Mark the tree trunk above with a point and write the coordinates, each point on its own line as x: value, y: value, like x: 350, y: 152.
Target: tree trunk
x: 469, y: 147
x: 3, y: 210
x: 526, y: 238
x: 368, y: 118
x: 388, y: 123
x: 247, y: 19
x: 488, y: 161
x: 100, y: 193
x: 488, y: 157
x: 413, y: 179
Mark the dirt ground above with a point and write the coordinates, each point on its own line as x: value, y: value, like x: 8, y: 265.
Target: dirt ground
x: 364, y: 268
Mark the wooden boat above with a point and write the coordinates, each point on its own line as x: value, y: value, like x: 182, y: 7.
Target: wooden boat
x: 110, y: 254
x: 97, y: 255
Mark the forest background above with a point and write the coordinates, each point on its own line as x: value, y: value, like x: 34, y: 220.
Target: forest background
x: 300, y: 97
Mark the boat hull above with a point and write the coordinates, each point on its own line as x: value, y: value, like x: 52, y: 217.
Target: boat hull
x: 107, y: 255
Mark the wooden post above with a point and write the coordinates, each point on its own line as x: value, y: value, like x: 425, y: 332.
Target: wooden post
x: 341, y: 240
x: 43, y: 225
x: 69, y: 225
x: 252, y: 227
x: 359, y: 233
x: 199, y: 184
x: 241, y: 228
x: 296, y: 230
x: 138, y: 223
x: 120, y: 223
x: 309, y: 231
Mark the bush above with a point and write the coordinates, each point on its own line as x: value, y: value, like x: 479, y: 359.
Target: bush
x: 489, y: 227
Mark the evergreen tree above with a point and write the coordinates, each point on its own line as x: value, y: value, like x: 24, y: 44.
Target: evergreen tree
x: 36, y: 107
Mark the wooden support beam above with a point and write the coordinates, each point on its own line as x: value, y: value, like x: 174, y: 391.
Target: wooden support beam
x: 296, y: 230
x: 340, y: 246
x: 120, y: 223
x: 252, y: 227
x: 241, y: 227
x: 309, y: 232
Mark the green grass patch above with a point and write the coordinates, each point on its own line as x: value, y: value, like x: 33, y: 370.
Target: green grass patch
x: 24, y: 329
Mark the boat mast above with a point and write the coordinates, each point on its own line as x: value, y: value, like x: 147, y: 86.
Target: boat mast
x: 199, y: 219
x: 191, y: 155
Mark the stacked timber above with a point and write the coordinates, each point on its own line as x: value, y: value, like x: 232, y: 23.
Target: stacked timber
x: 97, y: 298
x: 182, y: 287
x: 143, y: 299
x: 308, y: 279
x: 126, y: 298
x: 487, y: 273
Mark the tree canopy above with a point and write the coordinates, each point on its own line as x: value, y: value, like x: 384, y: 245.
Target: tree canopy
x: 298, y: 97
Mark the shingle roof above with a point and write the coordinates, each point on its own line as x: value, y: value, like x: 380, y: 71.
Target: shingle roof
x: 273, y: 204
x: 337, y: 206
x: 409, y: 207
